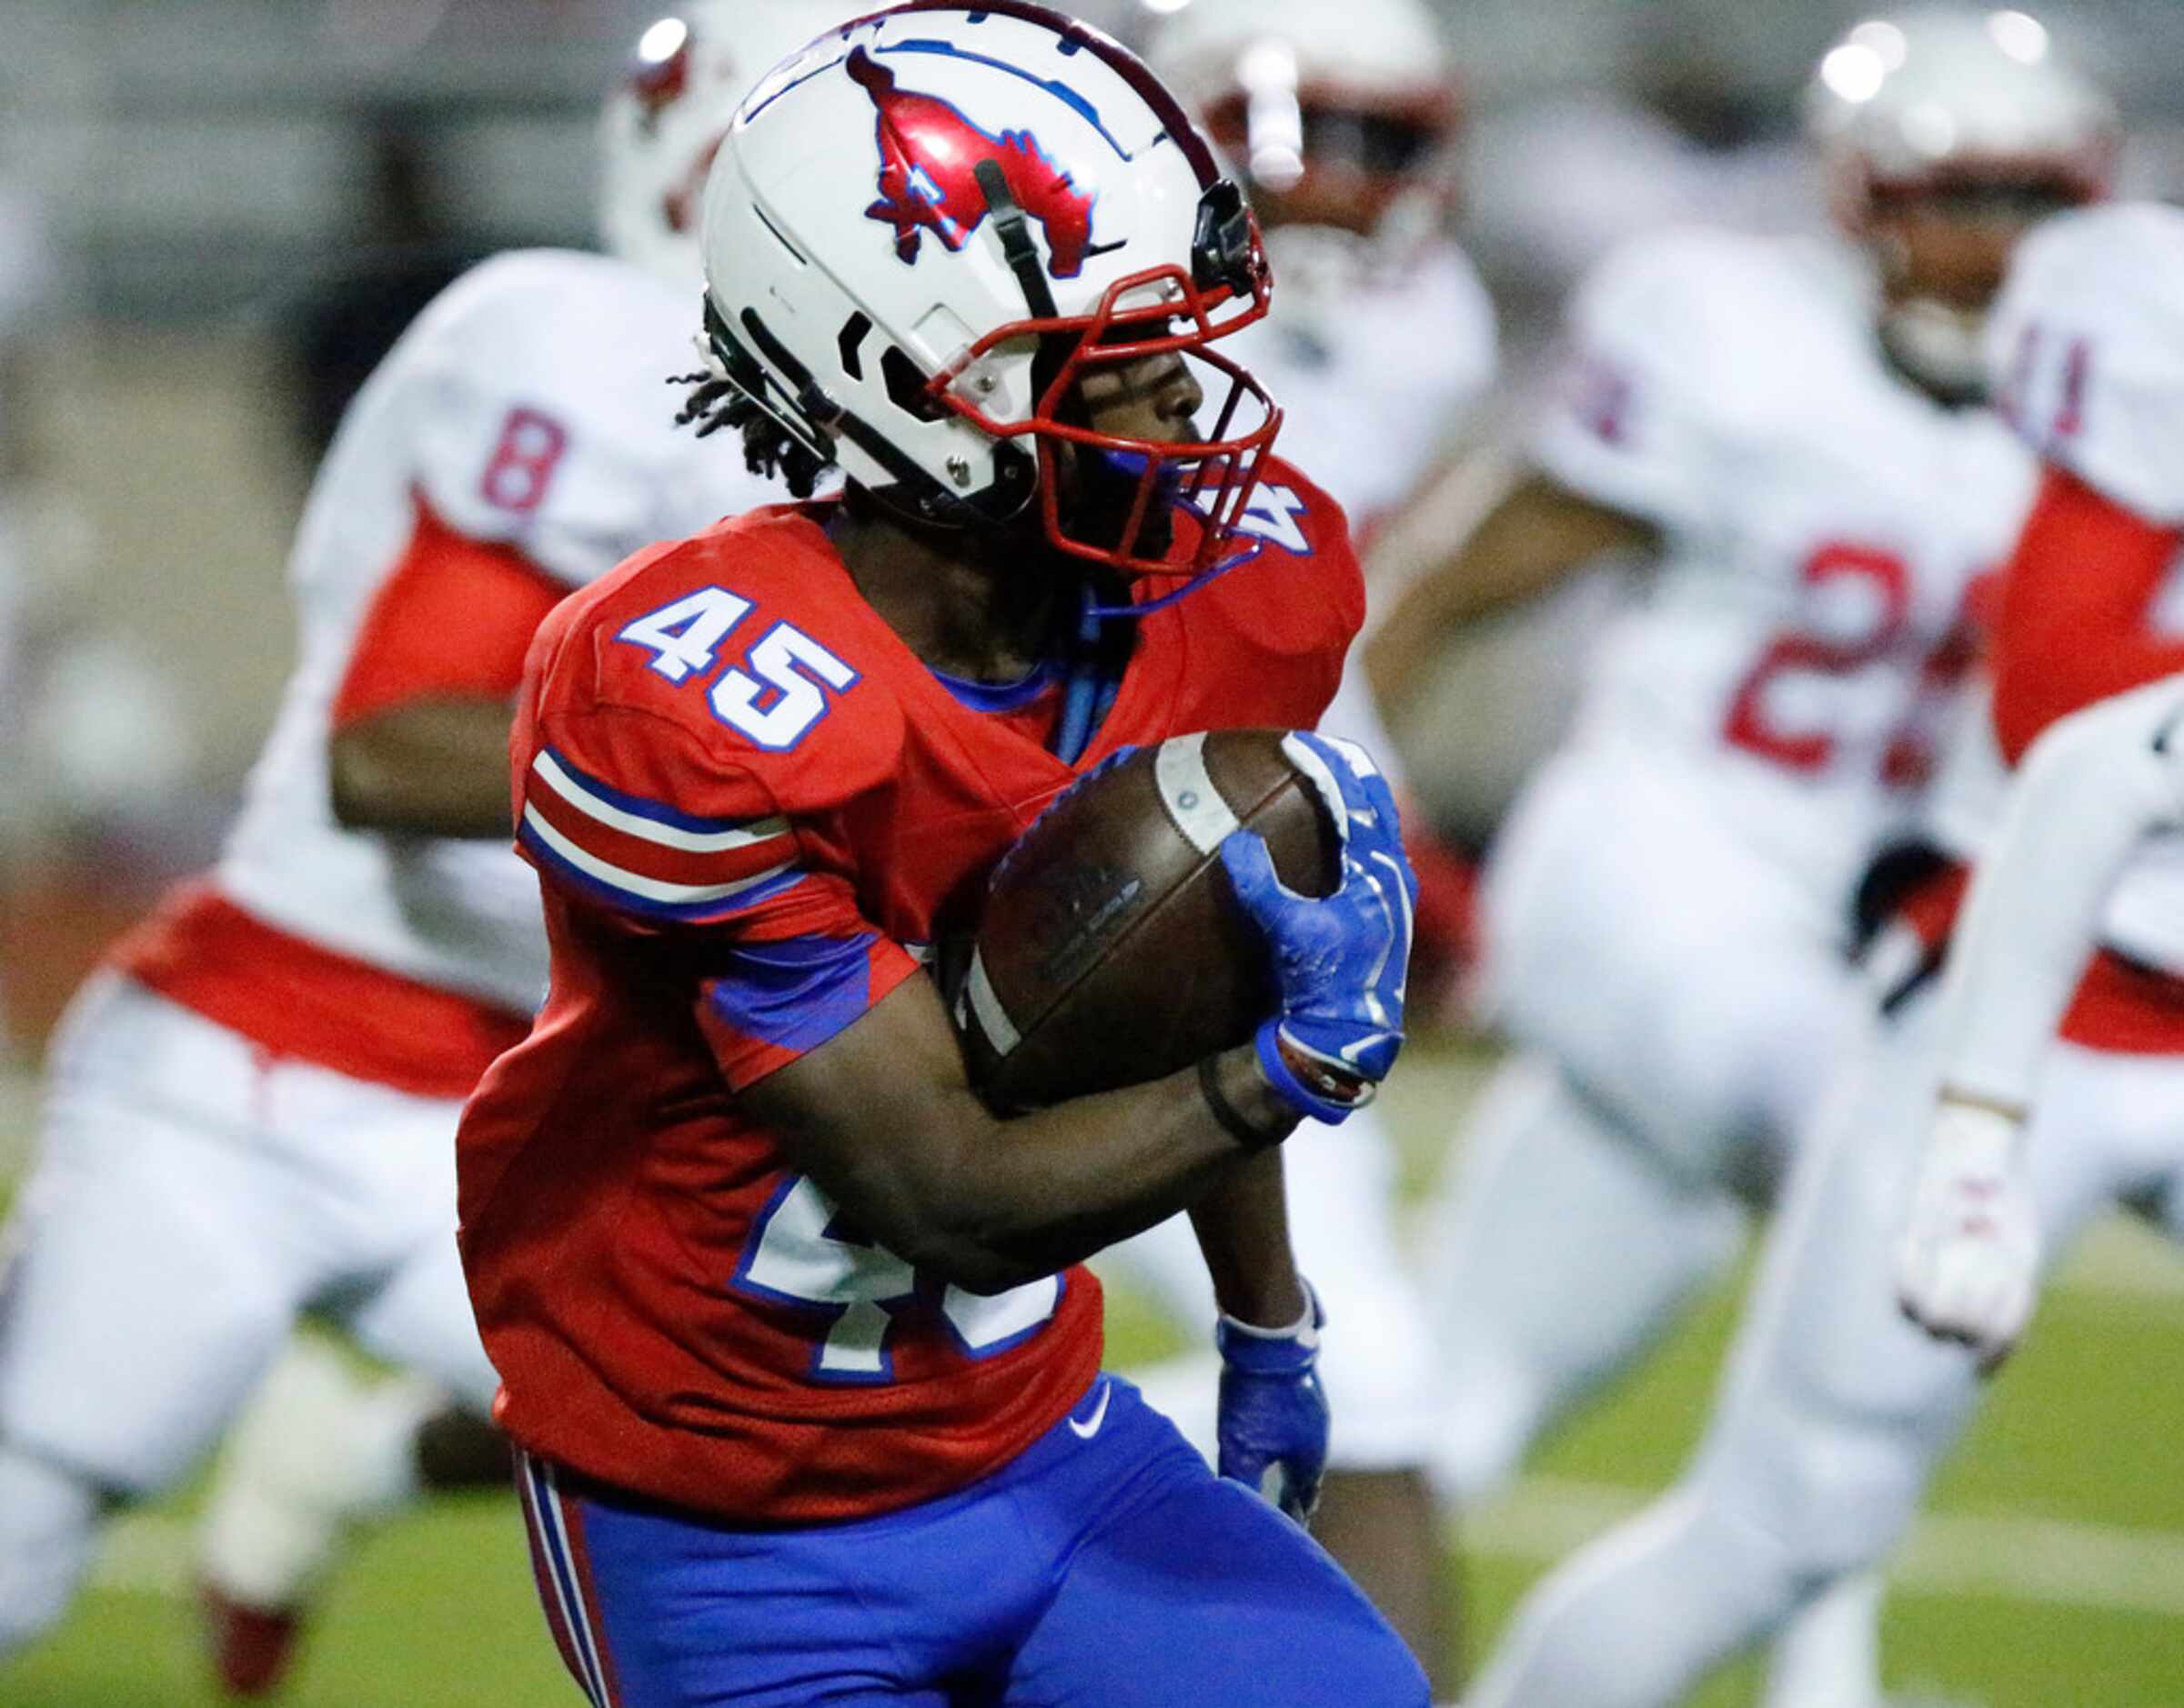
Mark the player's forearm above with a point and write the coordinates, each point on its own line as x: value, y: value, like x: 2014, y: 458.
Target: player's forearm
x: 1536, y: 536
x: 2089, y: 792
x: 883, y: 1120
x: 1037, y: 1193
x: 1241, y: 1223
x: 433, y: 768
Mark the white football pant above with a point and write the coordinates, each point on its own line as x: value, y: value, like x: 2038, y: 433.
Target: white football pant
x: 1559, y: 1249
x: 1679, y: 1001
x: 190, y: 1198
x: 1835, y: 1409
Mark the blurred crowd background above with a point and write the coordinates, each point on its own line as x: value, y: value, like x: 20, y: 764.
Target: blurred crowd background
x: 216, y: 214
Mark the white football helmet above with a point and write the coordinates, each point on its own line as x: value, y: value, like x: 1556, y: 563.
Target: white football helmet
x: 664, y: 119
x: 923, y: 231
x: 1342, y: 116
x: 1950, y: 101
x: 1336, y: 106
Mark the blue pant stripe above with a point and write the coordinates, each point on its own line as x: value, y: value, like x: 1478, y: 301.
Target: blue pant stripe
x: 546, y: 1505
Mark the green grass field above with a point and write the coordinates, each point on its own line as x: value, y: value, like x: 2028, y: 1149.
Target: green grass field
x: 2049, y: 1574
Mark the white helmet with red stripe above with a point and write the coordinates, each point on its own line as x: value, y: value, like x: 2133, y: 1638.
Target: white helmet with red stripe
x: 924, y: 231
x: 1960, y: 105
x: 664, y: 119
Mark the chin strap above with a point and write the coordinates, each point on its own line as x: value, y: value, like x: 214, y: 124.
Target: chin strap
x: 1090, y: 690
x: 1014, y: 232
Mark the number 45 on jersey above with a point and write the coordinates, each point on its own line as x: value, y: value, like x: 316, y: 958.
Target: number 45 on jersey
x: 774, y: 697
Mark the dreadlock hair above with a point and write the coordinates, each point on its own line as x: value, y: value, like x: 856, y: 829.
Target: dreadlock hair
x: 715, y: 401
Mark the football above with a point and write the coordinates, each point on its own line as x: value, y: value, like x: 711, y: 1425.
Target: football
x: 1111, y: 950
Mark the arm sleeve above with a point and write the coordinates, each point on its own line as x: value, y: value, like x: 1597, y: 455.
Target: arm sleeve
x: 624, y: 815
x: 490, y: 598
x: 2091, y: 789
x: 2075, y: 610
x: 798, y: 969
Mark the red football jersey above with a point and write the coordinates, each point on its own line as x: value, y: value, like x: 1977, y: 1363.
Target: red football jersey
x: 751, y: 804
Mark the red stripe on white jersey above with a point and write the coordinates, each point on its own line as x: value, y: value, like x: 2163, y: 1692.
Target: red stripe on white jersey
x: 299, y: 999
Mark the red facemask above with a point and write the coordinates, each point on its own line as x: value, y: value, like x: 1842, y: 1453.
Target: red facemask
x: 1173, y: 314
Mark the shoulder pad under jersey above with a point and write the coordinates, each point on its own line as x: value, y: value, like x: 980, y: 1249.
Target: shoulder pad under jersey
x: 752, y: 639
x: 2085, y: 350
x: 1677, y: 352
x: 537, y: 412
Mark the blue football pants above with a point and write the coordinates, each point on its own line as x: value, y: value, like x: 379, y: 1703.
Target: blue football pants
x: 1104, y: 1567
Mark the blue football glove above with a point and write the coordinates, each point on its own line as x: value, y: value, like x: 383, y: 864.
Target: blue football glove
x: 1273, y: 1420
x: 1340, y: 962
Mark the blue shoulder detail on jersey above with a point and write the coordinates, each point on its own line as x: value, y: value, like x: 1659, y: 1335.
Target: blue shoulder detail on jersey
x: 796, y: 993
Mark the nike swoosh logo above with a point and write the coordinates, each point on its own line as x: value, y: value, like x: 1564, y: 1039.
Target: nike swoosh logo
x: 1091, y: 1426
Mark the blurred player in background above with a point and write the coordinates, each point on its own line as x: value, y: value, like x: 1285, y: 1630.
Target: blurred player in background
x: 1342, y: 122
x: 1837, y: 1409
x: 793, y: 1339
x: 1345, y: 123
x: 1790, y: 427
x: 251, y: 1108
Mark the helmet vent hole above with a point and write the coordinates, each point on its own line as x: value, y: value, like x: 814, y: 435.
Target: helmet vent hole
x: 906, y: 385
x: 853, y: 336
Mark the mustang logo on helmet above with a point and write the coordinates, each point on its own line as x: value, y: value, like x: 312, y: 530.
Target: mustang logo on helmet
x: 928, y: 153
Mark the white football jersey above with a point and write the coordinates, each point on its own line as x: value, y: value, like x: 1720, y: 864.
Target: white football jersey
x: 2085, y: 347
x: 1822, y: 519
x: 2085, y: 350
x: 1374, y: 369
x: 1374, y: 373
x: 525, y: 407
